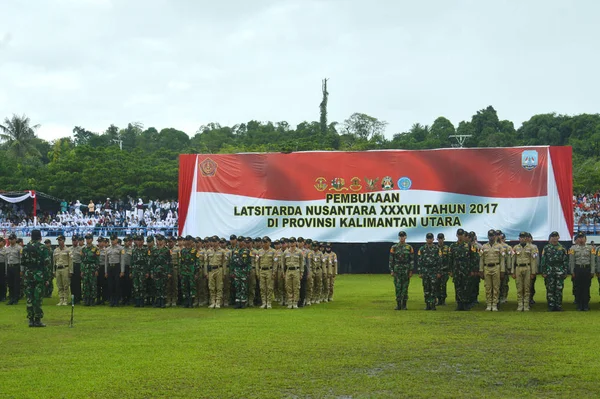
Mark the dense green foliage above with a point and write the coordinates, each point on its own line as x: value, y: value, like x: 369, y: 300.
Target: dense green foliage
x: 89, y: 164
x: 355, y: 347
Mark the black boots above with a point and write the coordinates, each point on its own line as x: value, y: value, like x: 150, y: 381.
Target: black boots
x: 38, y: 323
x: 428, y: 307
x: 30, y: 322
x: 398, y: 306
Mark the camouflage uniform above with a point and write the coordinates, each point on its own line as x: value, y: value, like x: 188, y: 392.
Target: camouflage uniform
x: 201, y: 281
x: 553, y: 266
x: 188, y: 270
x: 140, y: 268
x: 429, y: 265
x: 241, y: 264
x: 463, y: 262
x: 442, y: 282
x: 401, y: 265
x: 150, y: 287
x: 160, y: 271
x: 90, y: 256
x: 35, y: 267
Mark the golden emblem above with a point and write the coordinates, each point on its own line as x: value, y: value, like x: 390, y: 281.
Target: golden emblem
x: 208, y: 167
x: 320, y: 183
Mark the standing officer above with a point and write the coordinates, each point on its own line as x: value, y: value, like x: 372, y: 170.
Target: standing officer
x: 172, y: 288
x: 280, y: 248
x: 228, y: 277
x: 90, y: 258
x: 429, y: 266
x: 464, y: 263
x: 492, y: 269
x: 76, y: 277
x: 475, y: 279
x: 215, y: 267
x: 445, y: 271
x: 241, y: 264
x: 114, y: 270
x: 305, y: 270
x: 317, y: 272
x: 139, y: 272
x: 34, y: 272
x: 49, y: 288
x: 332, y: 271
x: 150, y: 288
x: 554, y: 265
x: 582, y: 265
x: 63, y: 270
x: 401, y: 268
x: 13, y: 268
x: 126, y: 282
x: 202, y: 278
x: 2, y: 269
x: 188, y: 269
x: 508, y: 265
x: 293, y: 262
x: 265, y: 261
x: 529, y: 240
x: 161, y: 272
x: 524, y: 270
x: 101, y: 288
x: 253, y: 247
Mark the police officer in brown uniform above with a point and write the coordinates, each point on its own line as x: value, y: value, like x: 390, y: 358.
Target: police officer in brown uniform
x: 173, y: 282
x: 114, y: 270
x: 63, y: 270
x: 266, y: 258
x: 216, y: 267
x: 293, y: 262
x: 524, y: 269
x: 491, y: 266
x: 582, y: 266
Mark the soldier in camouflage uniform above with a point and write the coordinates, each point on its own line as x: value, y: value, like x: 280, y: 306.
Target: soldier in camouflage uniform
x: 150, y: 287
x: 582, y: 265
x: 401, y: 266
x: 241, y: 264
x: 140, y: 271
x: 445, y: 271
x: 35, y: 257
x: 161, y: 271
x: 429, y: 267
x: 126, y: 284
x: 188, y: 269
x: 463, y: 264
x: 553, y: 266
x: 90, y: 256
x: 202, y: 279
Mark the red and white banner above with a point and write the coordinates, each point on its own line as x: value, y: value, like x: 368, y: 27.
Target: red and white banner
x: 371, y: 196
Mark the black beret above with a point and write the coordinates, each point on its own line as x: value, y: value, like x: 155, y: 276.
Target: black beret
x: 491, y: 233
x: 232, y: 237
x: 308, y: 241
x: 47, y: 241
x: 441, y: 235
x: 149, y: 239
x: 429, y: 236
x: 554, y: 234
x: 222, y: 241
x: 35, y: 234
x: 266, y: 239
x: 522, y: 234
x: 113, y: 237
x: 292, y: 239
x: 460, y: 232
x: 300, y: 239
x: 402, y: 234
x: 74, y: 238
x: 580, y: 234
x: 188, y: 237
x: 160, y: 237
x: 89, y: 236
x: 128, y: 238
x: 180, y: 238
x: 328, y: 245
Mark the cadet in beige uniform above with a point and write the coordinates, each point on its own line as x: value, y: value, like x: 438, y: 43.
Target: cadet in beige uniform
x: 582, y: 265
x: 202, y: 280
x: 492, y: 267
x: 332, y: 271
x: 2, y: 269
x: 216, y: 266
x: 63, y: 270
x: 266, y: 259
x: 281, y: 272
x: 173, y: 282
x: 12, y: 255
x: 317, y: 272
x: 293, y: 262
x: 114, y: 270
x: 524, y: 270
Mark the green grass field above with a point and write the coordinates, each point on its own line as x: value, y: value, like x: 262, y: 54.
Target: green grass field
x: 355, y: 347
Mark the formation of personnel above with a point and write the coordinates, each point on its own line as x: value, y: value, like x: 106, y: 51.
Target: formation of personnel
x: 467, y: 261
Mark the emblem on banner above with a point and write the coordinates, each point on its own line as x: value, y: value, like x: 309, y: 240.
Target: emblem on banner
x: 371, y: 183
x: 529, y: 159
x: 338, y: 184
x: 320, y: 183
x: 387, y: 183
x: 208, y: 167
x: 355, y: 184
x: 404, y: 183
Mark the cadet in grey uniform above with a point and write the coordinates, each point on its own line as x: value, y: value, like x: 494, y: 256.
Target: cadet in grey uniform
x: 13, y: 269
x: 114, y: 270
x: 126, y: 282
x: 582, y: 265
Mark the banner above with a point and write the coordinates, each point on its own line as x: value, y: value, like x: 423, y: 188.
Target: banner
x: 14, y: 200
x: 370, y: 196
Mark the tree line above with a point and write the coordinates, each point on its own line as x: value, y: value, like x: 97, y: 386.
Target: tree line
x: 143, y: 162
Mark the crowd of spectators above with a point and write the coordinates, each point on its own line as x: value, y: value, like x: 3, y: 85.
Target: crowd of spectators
x: 123, y: 217
x: 586, y: 208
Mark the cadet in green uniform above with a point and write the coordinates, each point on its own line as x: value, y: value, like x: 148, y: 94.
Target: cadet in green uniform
x: 49, y: 288
x: 508, y: 263
x: 2, y: 270
x: 241, y: 263
x: 553, y: 266
x: 161, y: 271
x: 462, y: 268
x: 90, y: 257
x: 35, y: 256
x: 188, y: 269
x: 150, y: 288
x: 140, y: 270
x: 429, y: 267
x: 401, y: 268
x: 582, y: 265
x: 445, y: 270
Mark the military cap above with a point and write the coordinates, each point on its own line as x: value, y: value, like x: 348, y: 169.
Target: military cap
x: 233, y: 237
x: 138, y: 237
x: 472, y: 234
x: 283, y: 240
x: 441, y: 236
x: 100, y: 238
x: 12, y: 236
x: 149, y: 239
x: 308, y: 241
x: 180, y: 238
x: 276, y: 242
x: 216, y: 238
x: 322, y: 244
x: 75, y: 238
x: 128, y: 238
x: 402, y: 234
x: 315, y: 243
x: 89, y: 236
x: 248, y: 240
x: 529, y: 235
x: 460, y: 232
x: 160, y: 237
x: 300, y: 239
x: 491, y: 233
x: 60, y: 237
x: 114, y: 237
x: 188, y: 238
x: 328, y: 245
x: 429, y: 236
x: 291, y: 239
x: 171, y: 238
x: 36, y: 234
x: 522, y: 234
x: 222, y: 240
x: 554, y: 234
x: 47, y: 241
x: 266, y: 239
x: 580, y: 234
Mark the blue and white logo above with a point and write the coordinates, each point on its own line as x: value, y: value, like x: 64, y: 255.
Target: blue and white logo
x: 404, y: 183
x: 529, y: 159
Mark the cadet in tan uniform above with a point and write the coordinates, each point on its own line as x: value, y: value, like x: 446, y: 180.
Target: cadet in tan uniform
x: 63, y: 270
x: 524, y: 270
x: 12, y: 255
x: 293, y: 262
x: 281, y: 272
x: 173, y: 282
x: 508, y: 265
x: 266, y: 259
x: 317, y: 272
x: 114, y: 270
x: 2, y: 269
x: 332, y: 270
x: 76, y: 277
x: 202, y: 280
x: 226, y: 297
x: 582, y: 265
x: 492, y: 268
x: 216, y: 266
x: 254, y: 247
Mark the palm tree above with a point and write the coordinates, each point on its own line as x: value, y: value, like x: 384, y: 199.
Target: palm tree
x: 18, y: 136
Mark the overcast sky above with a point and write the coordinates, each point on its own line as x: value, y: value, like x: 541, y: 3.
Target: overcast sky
x: 182, y: 64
